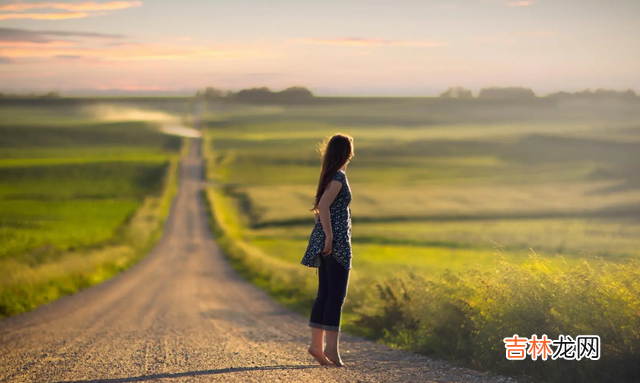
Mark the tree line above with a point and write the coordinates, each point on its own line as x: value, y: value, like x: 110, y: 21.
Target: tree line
x: 520, y: 93
x: 257, y: 94
x: 297, y: 93
x: 456, y: 92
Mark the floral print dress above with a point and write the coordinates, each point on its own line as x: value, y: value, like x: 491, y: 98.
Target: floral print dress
x: 340, y: 212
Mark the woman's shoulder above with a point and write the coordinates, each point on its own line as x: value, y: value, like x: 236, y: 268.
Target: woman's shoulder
x: 340, y: 176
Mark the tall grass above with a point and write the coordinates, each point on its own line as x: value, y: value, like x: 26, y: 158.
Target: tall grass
x: 464, y: 316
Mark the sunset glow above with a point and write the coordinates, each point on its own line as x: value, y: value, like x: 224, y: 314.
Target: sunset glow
x: 406, y: 47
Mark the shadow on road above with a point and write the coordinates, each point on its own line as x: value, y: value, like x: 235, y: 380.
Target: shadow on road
x: 188, y: 374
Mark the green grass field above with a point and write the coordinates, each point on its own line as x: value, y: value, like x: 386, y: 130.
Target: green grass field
x: 446, y: 201
x: 82, y: 197
x: 452, y: 199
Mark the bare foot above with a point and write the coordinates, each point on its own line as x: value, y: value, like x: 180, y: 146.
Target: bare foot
x: 334, y: 358
x: 319, y: 356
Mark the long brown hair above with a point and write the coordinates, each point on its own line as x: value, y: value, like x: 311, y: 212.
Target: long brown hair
x: 336, y: 151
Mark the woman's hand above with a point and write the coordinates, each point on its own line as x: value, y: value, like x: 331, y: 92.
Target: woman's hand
x: 325, y: 214
x: 328, y: 246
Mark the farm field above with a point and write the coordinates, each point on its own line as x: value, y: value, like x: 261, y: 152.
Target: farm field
x: 452, y: 218
x: 82, y: 196
x: 425, y: 199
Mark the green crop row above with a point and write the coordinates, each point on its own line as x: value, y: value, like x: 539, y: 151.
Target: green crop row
x: 77, y: 255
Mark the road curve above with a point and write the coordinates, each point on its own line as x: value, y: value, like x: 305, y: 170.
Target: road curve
x: 182, y: 314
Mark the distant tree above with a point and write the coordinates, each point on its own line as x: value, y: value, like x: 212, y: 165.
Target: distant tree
x: 560, y: 95
x: 613, y: 94
x: 211, y: 92
x: 607, y: 94
x: 512, y: 93
x: 457, y: 92
x: 587, y: 93
x: 296, y: 92
x: 598, y: 94
x: 51, y: 95
x: 631, y: 94
x: 265, y: 94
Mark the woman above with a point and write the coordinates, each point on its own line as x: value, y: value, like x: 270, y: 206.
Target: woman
x: 329, y: 248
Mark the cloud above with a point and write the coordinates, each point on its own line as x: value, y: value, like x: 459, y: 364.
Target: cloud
x: 76, y: 7
x: 488, y: 40
x: 540, y: 34
x: 24, y: 35
x: 95, y: 48
x: 449, y: 7
x: 364, y: 42
x: 520, y: 3
x: 69, y: 10
x: 46, y: 16
x: 6, y: 60
x: 134, y: 88
x: 29, y: 44
x: 510, y: 38
x: 15, y: 39
x: 495, y: 40
x: 513, y: 3
x: 137, y: 52
x: 68, y: 57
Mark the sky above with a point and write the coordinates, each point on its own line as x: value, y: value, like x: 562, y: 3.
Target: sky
x: 347, y: 47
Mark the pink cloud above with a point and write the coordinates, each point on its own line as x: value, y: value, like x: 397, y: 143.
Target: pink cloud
x: 520, y: 3
x: 31, y: 44
x: 512, y: 3
x: 18, y: 11
x: 46, y: 16
x: 540, y: 34
x: 126, y: 52
x: 370, y: 42
x: 510, y: 38
x: 132, y: 87
x: 78, y: 7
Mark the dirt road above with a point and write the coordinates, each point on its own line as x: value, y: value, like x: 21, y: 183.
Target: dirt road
x: 182, y: 314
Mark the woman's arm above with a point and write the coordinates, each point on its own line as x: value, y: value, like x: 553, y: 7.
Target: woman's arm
x: 325, y: 216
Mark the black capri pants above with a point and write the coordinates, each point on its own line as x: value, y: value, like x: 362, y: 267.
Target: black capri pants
x: 333, y: 280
